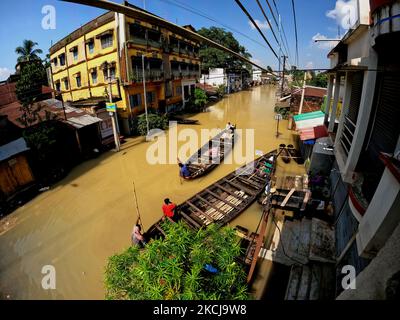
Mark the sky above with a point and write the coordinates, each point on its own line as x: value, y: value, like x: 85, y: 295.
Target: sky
x: 22, y: 19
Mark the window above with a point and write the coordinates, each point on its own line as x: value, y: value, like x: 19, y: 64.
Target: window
x: 135, y: 100
x: 192, y: 88
x: 91, y: 47
x: 58, y: 86
x: 78, y: 81
x: 178, y: 91
x: 75, y: 53
x: 112, y: 73
x: 151, y: 97
x: 106, y: 41
x: 66, y: 84
x: 94, y: 77
x: 62, y: 59
x: 55, y: 62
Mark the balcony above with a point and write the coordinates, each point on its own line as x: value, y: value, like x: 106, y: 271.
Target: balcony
x: 346, y: 138
x: 386, y: 17
x: 150, y: 75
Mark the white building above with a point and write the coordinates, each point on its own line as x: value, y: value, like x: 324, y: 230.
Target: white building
x: 365, y: 181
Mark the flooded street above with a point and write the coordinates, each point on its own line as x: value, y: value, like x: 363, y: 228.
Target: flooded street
x: 88, y: 216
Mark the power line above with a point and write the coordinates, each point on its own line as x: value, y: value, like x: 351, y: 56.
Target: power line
x: 269, y: 23
x: 256, y: 26
x: 295, y: 30
x: 279, y: 26
x: 195, y: 11
x: 273, y: 14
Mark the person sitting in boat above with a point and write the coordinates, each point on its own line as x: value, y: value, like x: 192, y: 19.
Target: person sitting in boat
x: 168, y: 209
x: 137, y: 236
x: 183, y: 170
x: 231, y: 127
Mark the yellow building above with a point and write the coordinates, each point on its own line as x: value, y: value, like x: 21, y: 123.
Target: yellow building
x: 117, y: 45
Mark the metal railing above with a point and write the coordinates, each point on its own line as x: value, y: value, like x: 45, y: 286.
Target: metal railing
x: 346, y: 138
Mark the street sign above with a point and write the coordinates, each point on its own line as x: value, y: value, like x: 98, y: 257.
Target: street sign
x: 278, y: 117
x: 111, y: 107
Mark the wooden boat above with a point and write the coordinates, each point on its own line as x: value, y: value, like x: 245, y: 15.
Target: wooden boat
x: 295, y: 154
x: 225, y: 199
x: 202, y: 162
x: 284, y: 153
x: 182, y: 120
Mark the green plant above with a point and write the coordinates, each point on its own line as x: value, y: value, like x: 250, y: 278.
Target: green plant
x: 174, y: 267
x: 221, y: 90
x: 200, y: 98
x: 155, y: 122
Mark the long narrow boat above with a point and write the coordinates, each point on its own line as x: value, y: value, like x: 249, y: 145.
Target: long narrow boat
x: 211, y: 154
x: 225, y: 199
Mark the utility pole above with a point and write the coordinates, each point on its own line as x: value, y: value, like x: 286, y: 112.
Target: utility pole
x: 283, y: 74
x: 112, y: 114
x: 145, y: 96
x: 303, y: 93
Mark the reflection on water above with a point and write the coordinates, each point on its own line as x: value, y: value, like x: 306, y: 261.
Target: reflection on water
x: 89, y: 215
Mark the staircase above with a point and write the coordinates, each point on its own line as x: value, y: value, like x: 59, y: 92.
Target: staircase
x: 315, y: 281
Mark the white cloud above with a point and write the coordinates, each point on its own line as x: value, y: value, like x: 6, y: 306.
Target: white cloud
x: 263, y: 25
x: 310, y: 65
x: 4, y: 73
x: 345, y: 13
x: 323, y: 44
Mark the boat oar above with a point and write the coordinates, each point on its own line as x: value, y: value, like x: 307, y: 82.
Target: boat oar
x: 137, y: 206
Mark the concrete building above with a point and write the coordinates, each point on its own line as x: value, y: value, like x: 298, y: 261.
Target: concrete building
x: 365, y: 176
x: 110, y: 49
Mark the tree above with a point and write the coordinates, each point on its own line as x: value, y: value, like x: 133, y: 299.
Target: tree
x: 27, y: 52
x: 155, y: 122
x: 319, y: 80
x: 28, y: 89
x: 179, y: 267
x: 215, y: 58
x: 200, y: 98
x: 221, y: 90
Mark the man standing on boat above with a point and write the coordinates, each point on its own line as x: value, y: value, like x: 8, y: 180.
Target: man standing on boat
x: 168, y: 208
x: 136, y: 236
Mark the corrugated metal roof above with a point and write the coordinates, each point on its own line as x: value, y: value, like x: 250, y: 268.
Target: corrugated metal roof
x: 12, y: 148
x: 83, y: 121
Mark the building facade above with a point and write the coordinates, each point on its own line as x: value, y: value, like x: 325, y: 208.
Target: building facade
x: 109, y: 53
x: 365, y: 174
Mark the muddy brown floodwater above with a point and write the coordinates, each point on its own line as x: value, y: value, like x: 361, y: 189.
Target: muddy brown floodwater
x: 88, y: 216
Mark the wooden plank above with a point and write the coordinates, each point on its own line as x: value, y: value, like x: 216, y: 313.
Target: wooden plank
x: 190, y: 219
x: 209, y: 218
x: 210, y: 204
x: 258, y: 245
x: 159, y: 229
x: 220, y: 198
x: 249, y: 183
x: 237, y: 196
x: 241, y: 188
x: 288, y: 197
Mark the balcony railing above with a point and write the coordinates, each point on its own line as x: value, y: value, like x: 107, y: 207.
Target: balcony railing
x: 150, y: 75
x: 346, y: 138
x: 145, y: 42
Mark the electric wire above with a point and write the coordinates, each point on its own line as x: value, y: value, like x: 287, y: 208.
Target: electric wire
x: 204, y: 15
x: 256, y: 26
